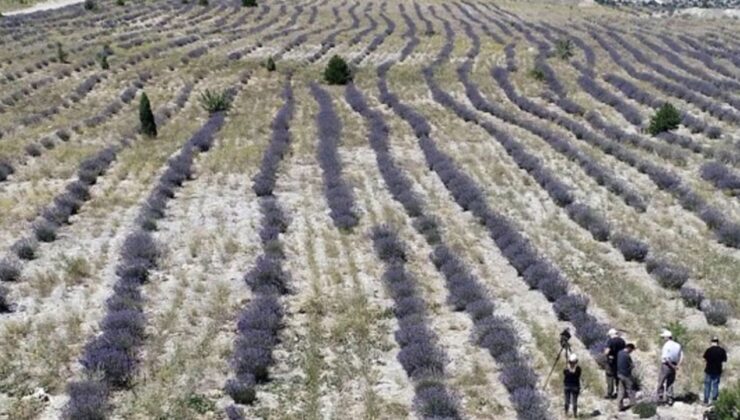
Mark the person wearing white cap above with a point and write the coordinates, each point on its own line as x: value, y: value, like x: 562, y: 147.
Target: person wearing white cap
x: 613, y: 346
x: 670, y: 359
x: 572, y: 384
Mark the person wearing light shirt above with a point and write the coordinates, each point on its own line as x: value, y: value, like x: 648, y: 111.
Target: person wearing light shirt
x: 670, y: 359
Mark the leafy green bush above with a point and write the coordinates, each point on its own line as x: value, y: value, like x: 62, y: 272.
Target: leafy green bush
x: 645, y: 409
x: 564, y: 49
x: 337, y: 71
x: 249, y: 3
x: 727, y: 406
x: 89, y: 5
x: 103, y: 59
x: 667, y: 118
x: 215, y: 101
x: 537, y: 74
x: 203, y: 2
x: 148, y: 125
x: 120, y: 2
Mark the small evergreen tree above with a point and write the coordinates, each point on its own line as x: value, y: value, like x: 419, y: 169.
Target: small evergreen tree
x: 61, y: 54
x: 667, y: 118
x: 104, y: 62
x: 120, y: 2
x: 270, y: 65
x: 203, y: 2
x: 148, y: 125
x: 337, y: 71
x: 249, y: 3
x: 89, y: 5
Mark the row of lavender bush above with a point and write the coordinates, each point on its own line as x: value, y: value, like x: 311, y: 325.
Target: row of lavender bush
x: 110, y: 358
x: 495, y: 333
x: 259, y: 323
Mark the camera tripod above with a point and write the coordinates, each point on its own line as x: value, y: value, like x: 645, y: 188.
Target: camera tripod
x: 564, y: 347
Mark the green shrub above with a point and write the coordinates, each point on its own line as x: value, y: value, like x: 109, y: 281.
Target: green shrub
x: 103, y: 59
x: 270, y: 65
x: 200, y: 404
x: 564, y: 49
x: 89, y: 5
x: 727, y: 406
x: 215, y: 101
x: 337, y: 71
x: 537, y: 74
x: 249, y: 3
x: 148, y: 125
x: 645, y: 409
x: 667, y: 118
x: 203, y: 2
x: 120, y: 3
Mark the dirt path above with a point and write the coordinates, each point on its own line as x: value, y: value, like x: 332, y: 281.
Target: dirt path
x: 40, y: 7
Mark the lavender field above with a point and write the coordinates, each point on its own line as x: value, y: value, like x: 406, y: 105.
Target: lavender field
x: 406, y: 245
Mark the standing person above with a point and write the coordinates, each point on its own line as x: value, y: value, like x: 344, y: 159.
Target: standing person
x: 614, y: 345
x: 624, y: 373
x: 572, y: 384
x: 715, y: 356
x: 670, y: 359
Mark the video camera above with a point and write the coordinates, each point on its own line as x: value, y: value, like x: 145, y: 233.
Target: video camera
x: 564, y: 338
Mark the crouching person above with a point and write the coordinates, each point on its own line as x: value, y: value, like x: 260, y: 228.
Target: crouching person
x: 572, y: 384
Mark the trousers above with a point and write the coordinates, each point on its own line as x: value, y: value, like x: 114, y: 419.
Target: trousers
x: 665, y: 382
x: 612, y: 382
x: 626, y: 386
x: 571, y: 397
x: 711, y: 387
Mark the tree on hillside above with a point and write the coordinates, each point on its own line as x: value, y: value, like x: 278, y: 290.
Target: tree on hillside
x: 148, y: 125
x: 270, y: 65
x: 337, y: 71
x: 667, y: 118
x: 61, y: 54
x: 249, y: 3
x: 104, y: 62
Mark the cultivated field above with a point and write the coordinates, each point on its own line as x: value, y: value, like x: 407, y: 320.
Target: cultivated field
x: 409, y: 245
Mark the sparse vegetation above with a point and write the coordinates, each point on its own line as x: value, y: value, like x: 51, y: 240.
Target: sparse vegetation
x: 249, y: 3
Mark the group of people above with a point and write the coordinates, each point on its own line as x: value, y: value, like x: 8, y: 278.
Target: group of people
x: 619, y: 376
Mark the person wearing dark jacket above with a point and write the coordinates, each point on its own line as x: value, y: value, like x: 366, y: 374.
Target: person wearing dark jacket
x: 624, y: 373
x: 572, y: 384
x: 715, y: 356
x: 613, y: 346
